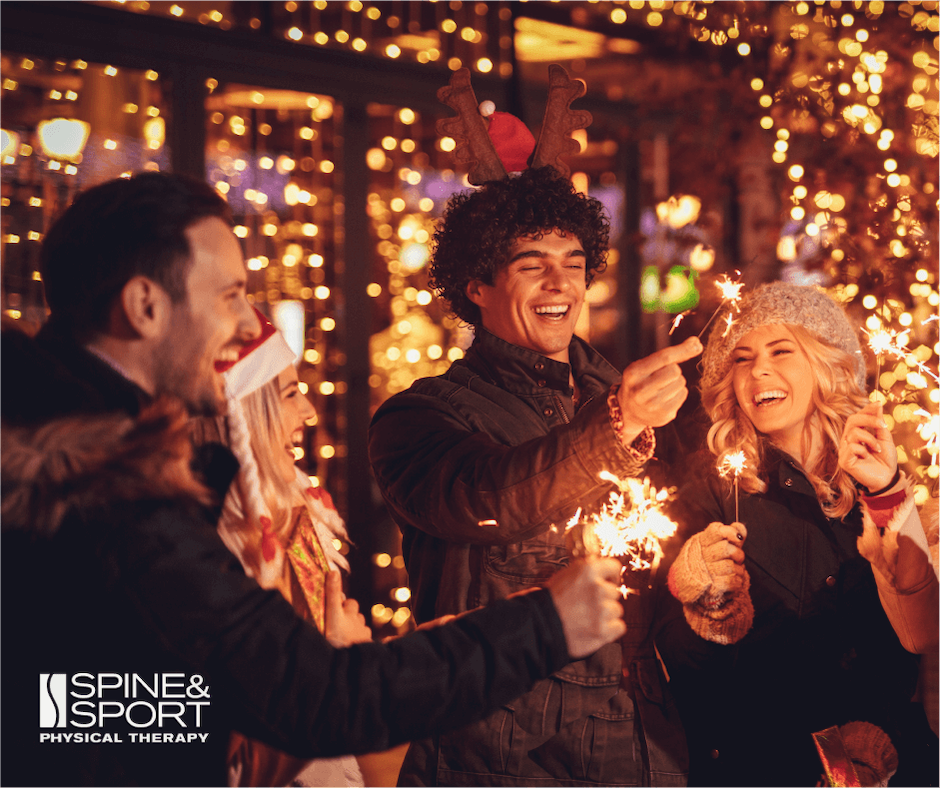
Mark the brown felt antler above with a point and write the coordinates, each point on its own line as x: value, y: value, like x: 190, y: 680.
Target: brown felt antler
x: 560, y: 121
x: 468, y: 129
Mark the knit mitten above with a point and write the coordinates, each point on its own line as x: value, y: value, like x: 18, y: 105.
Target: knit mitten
x: 717, y: 606
x: 871, y: 751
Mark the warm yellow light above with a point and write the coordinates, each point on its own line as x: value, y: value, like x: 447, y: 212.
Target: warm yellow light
x: 407, y: 116
x: 744, y: 49
x: 797, y: 213
x: 392, y: 51
x: 63, y: 138
x: 321, y: 292
x: 484, y: 65
x: 766, y: 122
x: 795, y: 172
x: 328, y: 324
x: 295, y: 34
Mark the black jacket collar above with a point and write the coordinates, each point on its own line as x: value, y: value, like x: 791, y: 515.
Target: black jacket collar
x: 519, y: 371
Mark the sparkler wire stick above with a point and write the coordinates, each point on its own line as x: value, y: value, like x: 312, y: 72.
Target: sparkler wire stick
x: 733, y: 463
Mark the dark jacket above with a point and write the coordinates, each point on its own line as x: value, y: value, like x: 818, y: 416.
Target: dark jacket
x: 820, y: 653
x: 482, y: 468
x: 111, y: 564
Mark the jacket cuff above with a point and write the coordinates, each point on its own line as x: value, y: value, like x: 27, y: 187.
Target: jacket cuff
x: 641, y: 448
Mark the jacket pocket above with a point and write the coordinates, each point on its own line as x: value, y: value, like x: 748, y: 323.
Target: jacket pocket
x: 526, y: 563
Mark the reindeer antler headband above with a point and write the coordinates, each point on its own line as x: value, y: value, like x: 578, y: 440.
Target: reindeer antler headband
x: 474, y: 145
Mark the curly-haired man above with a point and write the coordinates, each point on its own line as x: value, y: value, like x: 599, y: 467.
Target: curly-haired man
x: 479, y: 466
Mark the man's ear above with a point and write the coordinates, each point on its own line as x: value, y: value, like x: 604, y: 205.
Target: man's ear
x: 476, y: 292
x: 147, y: 307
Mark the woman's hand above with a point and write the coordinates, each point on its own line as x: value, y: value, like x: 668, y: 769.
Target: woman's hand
x: 710, y: 564
x: 345, y: 625
x: 867, y: 451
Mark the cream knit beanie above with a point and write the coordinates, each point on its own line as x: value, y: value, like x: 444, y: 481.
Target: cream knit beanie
x: 780, y: 302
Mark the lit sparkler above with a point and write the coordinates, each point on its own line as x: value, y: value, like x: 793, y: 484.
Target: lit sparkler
x: 929, y: 430
x: 885, y: 341
x: 730, y: 290
x: 733, y: 463
x: 631, y: 525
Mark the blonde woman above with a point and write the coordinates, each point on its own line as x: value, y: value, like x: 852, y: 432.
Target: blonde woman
x: 282, y: 530
x: 780, y: 633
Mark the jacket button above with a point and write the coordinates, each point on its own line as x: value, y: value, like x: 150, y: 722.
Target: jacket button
x: 788, y: 483
x: 714, y: 754
x: 547, y: 412
x: 830, y: 581
x: 539, y: 366
x: 541, y: 383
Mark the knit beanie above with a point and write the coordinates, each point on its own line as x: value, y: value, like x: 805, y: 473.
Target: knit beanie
x: 774, y: 303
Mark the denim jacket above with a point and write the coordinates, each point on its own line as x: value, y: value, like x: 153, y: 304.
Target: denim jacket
x: 482, y: 468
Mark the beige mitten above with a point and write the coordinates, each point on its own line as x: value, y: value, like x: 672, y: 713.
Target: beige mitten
x: 871, y: 751
x: 714, y: 594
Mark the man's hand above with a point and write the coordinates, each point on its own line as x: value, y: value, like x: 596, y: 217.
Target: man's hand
x: 345, y: 625
x: 588, y: 603
x: 653, y: 389
x: 867, y: 451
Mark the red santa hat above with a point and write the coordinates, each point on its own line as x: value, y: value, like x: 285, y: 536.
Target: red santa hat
x: 260, y: 361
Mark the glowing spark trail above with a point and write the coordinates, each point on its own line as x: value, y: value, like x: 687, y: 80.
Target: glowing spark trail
x: 733, y: 463
x: 885, y: 341
x: 675, y: 323
x: 730, y: 290
x: 929, y: 430
x: 631, y: 525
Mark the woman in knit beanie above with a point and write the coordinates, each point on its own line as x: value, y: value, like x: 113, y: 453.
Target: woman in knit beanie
x: 781, y: 633
x: 282, y: 530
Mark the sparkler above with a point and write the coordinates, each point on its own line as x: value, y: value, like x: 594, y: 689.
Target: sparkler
x: 929, y: 430
x: 631, y: 525
x: 730, y: 290
x: 885, y: 341
x: 733, y: 463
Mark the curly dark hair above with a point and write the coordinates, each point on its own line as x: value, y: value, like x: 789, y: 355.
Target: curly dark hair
x: 473, y: 238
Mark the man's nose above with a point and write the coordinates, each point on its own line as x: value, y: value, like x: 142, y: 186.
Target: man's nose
x: 249, y: 327
x: 556, y: 278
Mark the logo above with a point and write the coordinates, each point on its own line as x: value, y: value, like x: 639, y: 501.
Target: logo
x: 52, y: 700
x: 123, y: 707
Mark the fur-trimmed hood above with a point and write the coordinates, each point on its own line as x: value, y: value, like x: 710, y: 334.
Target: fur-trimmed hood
x: 77, y: 462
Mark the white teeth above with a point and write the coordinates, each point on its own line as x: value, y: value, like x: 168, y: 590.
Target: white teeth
x: 558, y: 309
x: 230, y: 354
x: 773, y: 394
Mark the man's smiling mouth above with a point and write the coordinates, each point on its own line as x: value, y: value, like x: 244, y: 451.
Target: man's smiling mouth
x: 553, y: 312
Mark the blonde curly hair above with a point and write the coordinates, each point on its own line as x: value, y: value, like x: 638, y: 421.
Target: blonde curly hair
x: 836, y: 395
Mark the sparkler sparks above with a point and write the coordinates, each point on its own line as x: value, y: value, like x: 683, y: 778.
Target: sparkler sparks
x: 885, y: 341
x: 631, y: 525
x: 929, y: 430
x: 730, y: 290
x: 735, y: 463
